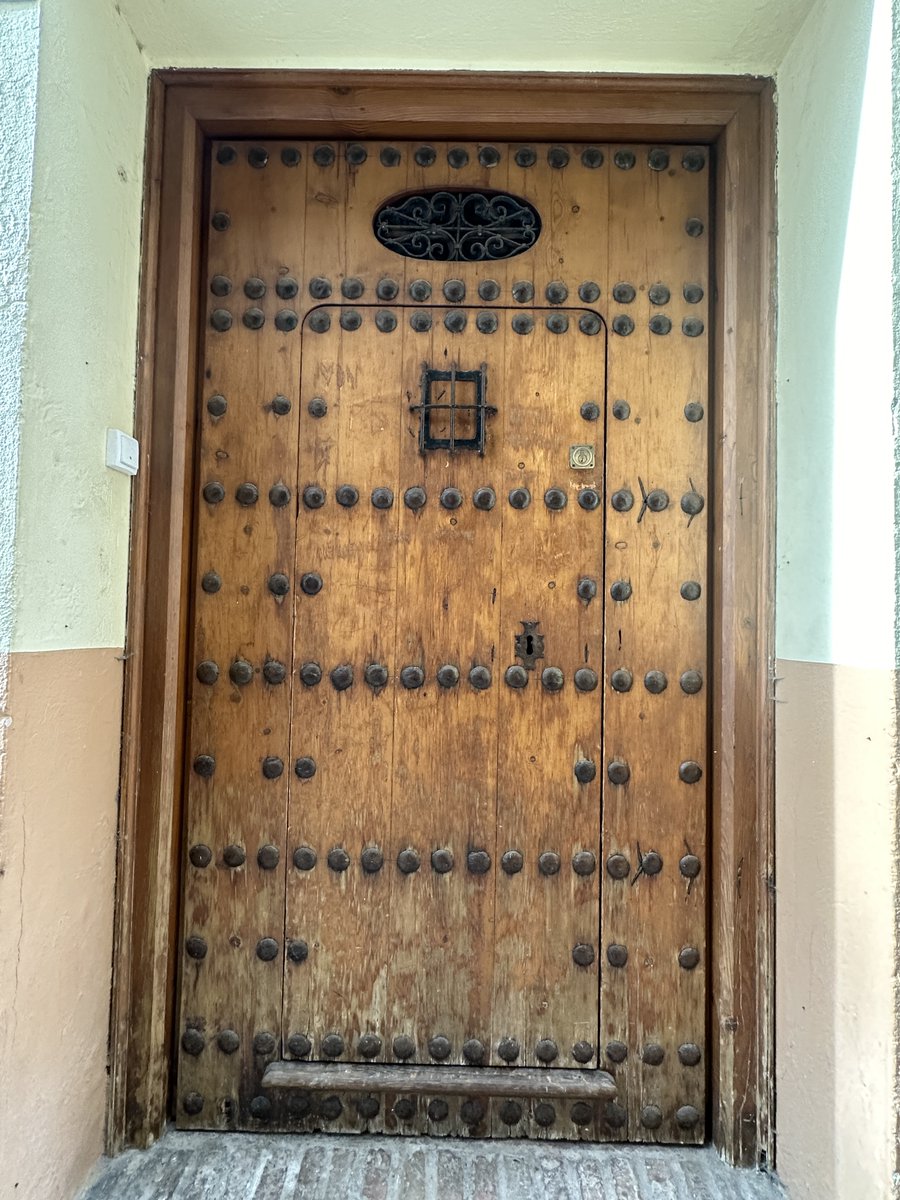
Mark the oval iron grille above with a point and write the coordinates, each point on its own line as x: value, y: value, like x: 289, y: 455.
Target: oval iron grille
x: 463, y: 225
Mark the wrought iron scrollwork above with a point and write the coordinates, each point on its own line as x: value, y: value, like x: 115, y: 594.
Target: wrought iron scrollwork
x: 458, y: 226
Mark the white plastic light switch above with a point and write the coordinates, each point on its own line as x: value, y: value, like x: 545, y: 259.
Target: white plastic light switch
x: 122, y: 452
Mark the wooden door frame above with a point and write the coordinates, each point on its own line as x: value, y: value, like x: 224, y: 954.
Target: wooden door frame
x: 735, y: 116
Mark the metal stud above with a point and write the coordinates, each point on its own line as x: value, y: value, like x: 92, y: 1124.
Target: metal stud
x: 320, y: 287
x: 585, y: 770
x: 585, y: 679
x: 589, y: 499
x: 258, y: 157
x: 553, y: 679
x: 372, y: 860
x: 583, y: 954
x: 216, y: 406
x: 623, y: 325
x: 690, y: 772
x: 488, y: 289
x: 382, y: 498
x: 313, y: 496
x: 403, y: 1046
x: 234, y: 856
x: 246, y: 494
x: 622, y: 500
x: 582, y: 1113
x: 286, y: 321
x: 618, y: 772
x: 192, y: 1104
x: 442, y: 861
x: 657, y: 500
x: 525, y: 157
x: 510, y: 1112
x: 557, y: 322
x: 457, y: 157
x: 478, y: 862
x: 658, y: 160
x: 472, y: 1112
x: 351, y: 320
x: 549, y: 863
x: 655, y: 682
x: 522, y: 323
x: 290, y: 156
x: 473, y: 1051
x: 624, y: 160
x: 489, y: 156
x: 659, y: 294
x: 305, y: 767
x: 305, y: 858
x: 448, y: 675
x: 590, y: 324
x: 546, y: 1050
x: 555, y: 499
x: 584, y: 863
x: 376, y: 675
x: 323, y: 156
x: 512, y: 862
x: 653, y: 1054
x: 616, y: 1051
x: 651, y: 1116
x: 226, y: 155
x: 439, y: 1048
x: 281, y: 406
x: 660, y: 324
x: 414, y: 498
x: 620, y: 591
x: 590, y: 411
x: 519, y: 498
x: 438, y: 1110
x: 583, y: 1052
x: 451, y: 498
x: 338, y: 859
x: 310, y: 674
x: 240, y: 672
x: 692, y: 292
x: 592, y: 157
x: 558, y: 157
x: 523, y: 291
x: 369, y: 1045
x: 687, y: 1116
x: 299, y: 1045
x: 220, y: 221
x: 618, y: 866
x: 516, y: 677
x: 347, y: 495
x: 254, y: 318
x: 544, y: 1114
x: 693, y: 227
x: 368, y: 1107
x: 352, y: 288
x: 651, y: 863
x: 508, y: 1049
x: 484, y: 499
x: 693, y: 160
x: 691, y: 682
x: 693, y: 411
x: 279, y: 584
x: 586, y: 589
x: 425, y: 156
x: 228, y: 1041
x: 355, y: 154
x: 408, y: 861
x: 556, y: 292
x: 220, y: 285
x: 385, y: 322
x: 266, y: 949
x: 272, y: 767
x: 311, y: 583
x: 454, y: 290
x: 390, y: 156
x: 320, y: 322
x: 690, y: 590
x: 412, y: 677
x: 689, y: 1054
x: 688, y: 957
x: 332, y: 1045
x: 254, y: 288
x: 342, y: 677
x: 330, y: 1107
x: 480, y: 678
x: 616, y: 955
x: 297, y: 950
x: 204, y: 766
x: 200, y: 855
x: 213, y: 493
x: 279, y: 495
x: 623, y: 293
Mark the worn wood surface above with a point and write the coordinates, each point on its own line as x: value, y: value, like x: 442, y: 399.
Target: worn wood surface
x: 441, y: 1081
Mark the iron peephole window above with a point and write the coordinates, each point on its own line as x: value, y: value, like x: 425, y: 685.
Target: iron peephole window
x: 458, y: 226
x: 453, y: 410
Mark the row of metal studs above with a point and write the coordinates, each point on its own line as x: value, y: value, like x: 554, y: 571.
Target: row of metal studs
x: 414, y: 498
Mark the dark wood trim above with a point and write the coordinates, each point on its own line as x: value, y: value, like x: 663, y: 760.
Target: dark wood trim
x: 732, y: 114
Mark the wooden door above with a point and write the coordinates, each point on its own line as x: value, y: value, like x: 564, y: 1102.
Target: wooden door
x: 445, y: 789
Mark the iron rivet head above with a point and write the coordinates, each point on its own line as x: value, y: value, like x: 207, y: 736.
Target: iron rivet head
x: 279, y: 584
x: 587, y: 589
x: 266, y: 949
x: 200, y: 855
x: 216, y: 406
x: 268, y: 857
x: 323, y: 156
x: 220, y: 221
x: 549, y: 863
x: 472, y: 1112
x: 455, y: 321
x: 621, y: 680
x: 589, y: 499
x: 305, y: 768
x: 290, y: 156
x: 689, y: 1054
x: 653, y: 1054
x: 655, y: 682
x: 347, y: 495
x: 404, y: 1047
x: 313, y: 496
x: 658, y: 500
x: 583, y: 1052
x: 651, y: 863
x: 660, y: 324
x: 420, y: 322
x: 522, y: 323
x: 372, y: 860
x: 512, y: 862
x: 376, y: 675
x: 352, y: 287
x: 658, y: 160
x: 414, y: 498
x: 659, y: 294
x: 478, y: 862
x: 448, y: 675
x: 556, y: 292
x: 387, y: 289
x: 480, y: 678
x: 489, y: 289
x: 624, y: 160
x: 583, y: 954
x: 544, y: 1114
x: 382, y: 498
x: 451, y: 498
x: 690, y: 772
x: 651, y: 1116
x: 620, y: 591
x: 486, y: 322
x: 616, y: 955
x: 220, y: 285
x: 590, y: 411
x: 688, y: 957
x: 332, y: 1045
x: 621, y: 410
x: 692, y: 327
x: 693, y: 411
x: 691, y: 682
x: 555, y: 499
x: 240, y: 672
x: 355, y: 154
x: 692, y: 292
x: 439, y: 1047
x: 226, y: 155
x: 234, y: 856
x: 258, y: 157
x: 279, y: 495
x: 693, y: 160
x: 390, y: 156
x: 368, y: 1107
x: 584, y: 863
x: 305, y: 858
x: 369, y: 1045
x: 519, y: 498
x: 622, y: 500
x: 351, y: 320
x: 412, y: 677
x: 557, y: 322
x: 454, y: 290
x: 254, y: 288
x: 693, y: 227
x: 338, y: 858
x: 623, y: 325
x: 489, y: 156
x: 420, y: 290
x: 525, y: 157
x: 616, y: 1052
x: 523, y: 291
x: 687, y: 1116
x: 408, y: 861
x: 690, y: 590
x: 425, y: 156
x: 585, y: 679
x: 592, y: 158
x: 442, y: 861
x: 246, y: 494
x: 228, y: 1041
x: 286, y: 321
x: 510, y: 1112
x: 310, y: 674
x: 473, y: 1051
x: 457, y: 157
x: 330, y: 1107
x: 281, y: 406
x: 320, y: 287
x: 582, y: 1113
x: 508, y: 1049
x: 438, y: 1110
x: 558, y: 157
x: 614, y: 1115
x: 342, y: 677
x: 311, y: 583
x: 272, y: 768
x: 192, y: 1104
x: 320, y: 322
x: 618, y: 866
x: 623, y: 293
x: 297, y: 950
x: 484, y: 499
x: 618, y: 772
x: 585, y: 770
x: 516, y: 677
x: 553, y: 679
x: 254, y: 318
x: 385, y: 322
x: 196, y: 947
x: 590, y: 324
x: 214, y: 493
x: 205, y: 766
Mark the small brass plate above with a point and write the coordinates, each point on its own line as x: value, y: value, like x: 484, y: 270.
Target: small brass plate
x: 581, y: 458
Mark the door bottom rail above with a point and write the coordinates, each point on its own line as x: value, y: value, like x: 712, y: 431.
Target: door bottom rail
x: 531, y: 1082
